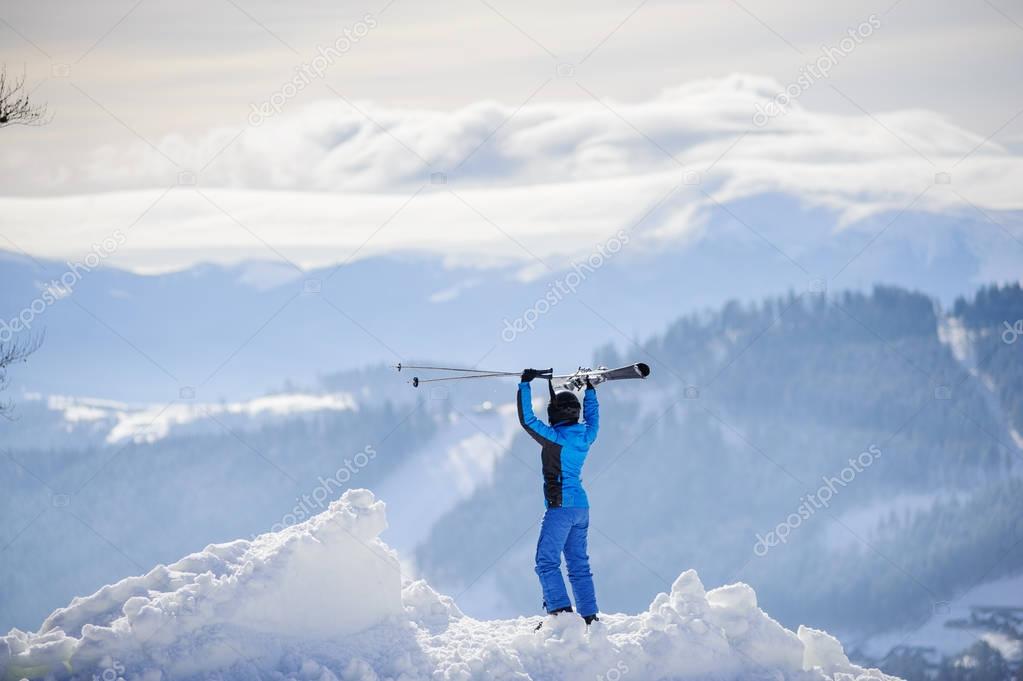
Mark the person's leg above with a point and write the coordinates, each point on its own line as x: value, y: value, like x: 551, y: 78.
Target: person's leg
x: 579, y: 564
x: 557, y: 522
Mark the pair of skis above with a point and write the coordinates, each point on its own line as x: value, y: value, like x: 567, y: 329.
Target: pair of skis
x: 574, y: 381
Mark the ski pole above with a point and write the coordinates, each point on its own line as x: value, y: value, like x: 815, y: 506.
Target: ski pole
x: 401, y: 366
x: 477, y: 374
x: 416, y: 380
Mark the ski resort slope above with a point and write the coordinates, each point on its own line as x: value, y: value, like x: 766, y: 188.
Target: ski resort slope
x: 325, y: 600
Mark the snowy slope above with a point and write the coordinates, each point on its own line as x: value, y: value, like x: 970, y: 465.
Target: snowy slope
x: 326, y: 600
x: 444, y: 472
x: 950, y: 630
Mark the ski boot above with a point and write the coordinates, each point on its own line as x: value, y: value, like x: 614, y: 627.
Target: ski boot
x: 567, y: 608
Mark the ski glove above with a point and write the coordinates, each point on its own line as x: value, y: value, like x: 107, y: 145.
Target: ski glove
x: 529, y: 374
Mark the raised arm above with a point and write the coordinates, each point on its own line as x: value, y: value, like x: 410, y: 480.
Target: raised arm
x: 591, y: 413
x: 536, y: 428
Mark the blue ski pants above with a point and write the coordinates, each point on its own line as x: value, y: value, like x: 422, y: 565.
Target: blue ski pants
x: 564, y: 530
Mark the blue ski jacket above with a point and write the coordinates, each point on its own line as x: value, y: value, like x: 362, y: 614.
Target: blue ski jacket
x: 563, y: 449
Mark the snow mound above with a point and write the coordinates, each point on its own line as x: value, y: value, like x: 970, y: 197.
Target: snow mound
x: 325, y: 601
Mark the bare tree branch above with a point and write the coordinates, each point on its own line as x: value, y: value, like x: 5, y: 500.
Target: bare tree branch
x: 16, y: 109
x: 14, y: 351
x: 15, y: 106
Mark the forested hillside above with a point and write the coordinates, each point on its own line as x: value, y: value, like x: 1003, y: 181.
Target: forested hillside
x: 862, y: 446
x: 99, y: 511
x: 749, y: 412
x: 994, y: 319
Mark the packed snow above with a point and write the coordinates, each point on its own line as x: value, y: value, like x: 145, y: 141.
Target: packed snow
x: 325, y: 600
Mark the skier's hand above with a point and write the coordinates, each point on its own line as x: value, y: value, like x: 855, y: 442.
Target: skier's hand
x: 529, y: 374
x: 589, y: 386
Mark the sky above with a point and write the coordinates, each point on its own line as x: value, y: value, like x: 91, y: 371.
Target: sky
x: 149, y: 98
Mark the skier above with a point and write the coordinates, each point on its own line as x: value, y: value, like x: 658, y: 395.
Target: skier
x: 564, y: 446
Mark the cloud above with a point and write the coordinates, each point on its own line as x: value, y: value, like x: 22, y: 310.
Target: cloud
x: 329, y: 183
x: 330, y: 146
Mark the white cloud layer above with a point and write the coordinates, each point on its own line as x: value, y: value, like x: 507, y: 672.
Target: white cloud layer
x: 328, y: 183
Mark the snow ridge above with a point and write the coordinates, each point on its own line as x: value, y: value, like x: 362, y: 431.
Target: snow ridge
x: 324, y: 600
x: 149, y: 423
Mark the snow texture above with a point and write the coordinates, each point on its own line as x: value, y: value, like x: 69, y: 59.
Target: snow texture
x: 325, y: 601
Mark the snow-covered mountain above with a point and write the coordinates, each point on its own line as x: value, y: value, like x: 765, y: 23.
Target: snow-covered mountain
x: 761, y: 408
x: 326, y: 600
x: 373, y: 238
x: 452, y: 466
x: 148, y: 337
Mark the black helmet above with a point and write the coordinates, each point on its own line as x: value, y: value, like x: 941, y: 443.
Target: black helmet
x: 564, y: 408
